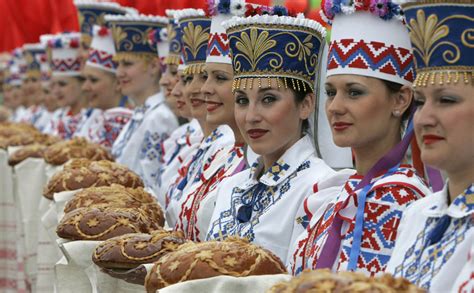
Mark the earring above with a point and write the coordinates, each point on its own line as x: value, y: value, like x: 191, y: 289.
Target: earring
x: 397, y: 113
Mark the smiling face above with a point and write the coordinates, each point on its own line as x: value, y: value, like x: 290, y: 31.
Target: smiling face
x: 194, y: 97
x: 361, y: 111
x: 66, y: 90
x: 183, y: 108
x: 167, y: 82
x: 270, y: 119
x: 138, y: 77
x: 217, y: 91
x: 100, y: 87
x: 444, y: 126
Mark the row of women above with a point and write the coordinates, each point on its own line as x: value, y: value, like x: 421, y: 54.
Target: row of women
x: 248, y: 162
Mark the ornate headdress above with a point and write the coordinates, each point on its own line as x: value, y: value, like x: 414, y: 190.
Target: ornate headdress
x: 224, y: 10
x: 14, y: 76
x: 174, y: 40
x: 369, y: 38
x: 283, y: 48
x: 442, y: 35
x: 102, y: 51
x: 159, y: 38
x: 131, y: 34
x: 36, y: 61
x: 195, y: 26
x: 65, y: 59
x: 92, y: 13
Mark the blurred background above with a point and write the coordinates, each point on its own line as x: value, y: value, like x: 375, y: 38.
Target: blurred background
x: 23, y: 21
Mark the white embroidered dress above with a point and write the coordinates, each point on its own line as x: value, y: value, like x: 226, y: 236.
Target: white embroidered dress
x: 435, y: 265
x: 138, y: 146
x: 271, y: 202
x: 386, y: 201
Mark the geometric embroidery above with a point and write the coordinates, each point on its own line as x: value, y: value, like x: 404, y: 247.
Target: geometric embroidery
x: 102, y: 58
x: 151, y: 146
x: 422, y: 263
x: 277, y: 169
x: 218, y: 45
x: 374, y: 55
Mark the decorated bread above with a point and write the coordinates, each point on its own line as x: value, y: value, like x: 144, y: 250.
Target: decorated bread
x: 131, y: 250
x: 30, y: 151
x: 135, y: 276
x: 83, y: 173
x: 101, y: 223
x: 120, y: 197
x: 59, y: 153
x: 233, y: 257
x: 327, y: 281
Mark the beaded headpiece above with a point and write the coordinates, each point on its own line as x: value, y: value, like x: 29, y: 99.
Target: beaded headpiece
x: 65, y: 58
x: 14, y: 77
x: 195, y: 26
x: 174, y: 39
x: 224, y: 10
x: 92, y: 13
x: 131, y: 34
x: 283, y: 48
x: 36, y: 61
x: 369, y: 38
x: 102, y: 50
x: 442, y: 35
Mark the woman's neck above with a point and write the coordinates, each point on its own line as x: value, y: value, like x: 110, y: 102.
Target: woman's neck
x: 239, y: 139
x: 459, y: 181
x: 141, y: 97
x: 76, y: 108
x: 366, y: 157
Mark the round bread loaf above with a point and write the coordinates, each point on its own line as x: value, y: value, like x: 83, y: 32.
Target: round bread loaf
x: 120, y: 197
x: 326, y: 281
x: 233, y: 257
x: 59, y: 153
x: 30, y: 151
x: 136, y: 275
x: 131, y: 250
x: 82, y: 173
x: 101, y: 223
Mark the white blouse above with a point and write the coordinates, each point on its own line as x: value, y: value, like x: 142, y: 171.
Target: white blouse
x: 435, y: 241
x: 263, y: 209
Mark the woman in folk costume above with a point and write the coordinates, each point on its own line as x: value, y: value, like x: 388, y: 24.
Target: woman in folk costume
x: 12, y: 90
x: 368, y: 87
x: 66, y: 83
x: 197, y: 205
x: 37, y: 73
x: 437, y: 233
x: 195, y: 26
x: 275, y: 60
x: 138, y: 146
x: 102, y: 90
x: 185, y: 140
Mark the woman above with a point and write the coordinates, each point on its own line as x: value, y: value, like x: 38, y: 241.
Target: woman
x: 437, y: 233
x: 102, y: 90
x: 138, y: 145
x: 195, y: 27
x: 66, y: 83
x: 366, y: 108
x: 272, y: 105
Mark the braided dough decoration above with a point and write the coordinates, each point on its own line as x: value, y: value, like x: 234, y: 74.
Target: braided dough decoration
x: 131, y: 250
x: 326, y: 281
x: 78, y: 147
x: 232, y: 257
x: 120, y: 197
x: 101, y: 223
x: 82, y: 173
x: 29, y: 151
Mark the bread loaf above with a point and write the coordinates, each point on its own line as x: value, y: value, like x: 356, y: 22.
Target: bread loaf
x: 83, y: 173
x: 131, y: 250
x: 101, y: 223
x: 326, y: 281
x: 233, y: 257
x: 30, y: 151
x: 59, y: 153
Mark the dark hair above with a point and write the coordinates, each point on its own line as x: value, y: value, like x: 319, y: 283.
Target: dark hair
x: 394, y: 88
x: 299, y: 97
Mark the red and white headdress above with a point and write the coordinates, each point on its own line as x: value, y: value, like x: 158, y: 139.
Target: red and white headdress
x: 65, y: 58
x: 102, y: 49
x: 369, y: 38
